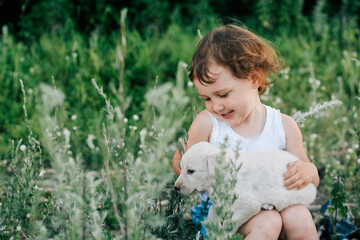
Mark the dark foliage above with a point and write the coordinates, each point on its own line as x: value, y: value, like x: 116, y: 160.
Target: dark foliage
x: 28, y: 18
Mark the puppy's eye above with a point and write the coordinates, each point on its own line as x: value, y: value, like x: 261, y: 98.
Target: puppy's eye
x: 190, y: 171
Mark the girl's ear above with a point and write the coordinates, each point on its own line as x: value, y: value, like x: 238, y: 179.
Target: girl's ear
x: 255, y: 77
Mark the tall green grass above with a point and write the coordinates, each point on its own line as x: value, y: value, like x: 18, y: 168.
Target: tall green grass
x: 87, y: 135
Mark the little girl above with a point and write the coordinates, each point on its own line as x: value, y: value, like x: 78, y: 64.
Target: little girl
x: 229, y: 69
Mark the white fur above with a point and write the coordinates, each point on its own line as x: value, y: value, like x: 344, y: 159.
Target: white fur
x: 260, y: 183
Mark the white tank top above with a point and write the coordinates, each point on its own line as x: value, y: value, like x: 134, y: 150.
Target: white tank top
x: 272, y: 136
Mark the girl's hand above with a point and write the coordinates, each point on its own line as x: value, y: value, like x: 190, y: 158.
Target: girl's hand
x: 299, y: 174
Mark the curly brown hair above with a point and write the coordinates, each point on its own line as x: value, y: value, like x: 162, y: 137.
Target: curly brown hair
x: 239, y: 50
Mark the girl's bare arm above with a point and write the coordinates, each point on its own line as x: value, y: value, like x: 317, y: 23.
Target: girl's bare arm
x: 199, y: 131
x: 300, y: 173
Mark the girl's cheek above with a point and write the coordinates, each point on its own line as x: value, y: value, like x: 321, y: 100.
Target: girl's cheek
x: 208, y: 105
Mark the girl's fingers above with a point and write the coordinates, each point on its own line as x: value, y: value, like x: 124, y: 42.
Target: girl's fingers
x: 292, y: 182
x: 301, y: 186
x: 291, y: 171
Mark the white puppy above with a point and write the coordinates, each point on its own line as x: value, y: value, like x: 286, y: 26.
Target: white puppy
x: 260, y: 182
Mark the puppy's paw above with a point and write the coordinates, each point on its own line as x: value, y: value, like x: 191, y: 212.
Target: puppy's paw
x: 267, y: 206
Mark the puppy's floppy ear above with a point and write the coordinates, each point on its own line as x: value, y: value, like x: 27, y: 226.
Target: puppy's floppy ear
x: 212, y: 162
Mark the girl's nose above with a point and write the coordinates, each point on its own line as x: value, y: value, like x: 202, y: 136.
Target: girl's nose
x: 217, y: 106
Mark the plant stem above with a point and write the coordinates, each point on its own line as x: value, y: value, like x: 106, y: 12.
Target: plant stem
x: 121, y: 51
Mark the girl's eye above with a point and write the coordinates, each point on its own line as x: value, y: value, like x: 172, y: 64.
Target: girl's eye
x: 190, y: 171
x: 223, y: 95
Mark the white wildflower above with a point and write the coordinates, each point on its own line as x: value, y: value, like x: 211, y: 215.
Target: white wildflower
x: 22, y: 147
x: 30, y: 91
x: 182, y: 64
x: 66, y: 132
x: 18, y: 228
x: 190, y: 83
x: 133, y: 128
x: 125, y: 120
x: 90, y: 140
x: 136, y: 117
x: 74, y: 55
x: 161, y: 132
x: 277, y: 100
x: 67, y: 58
x: 38, y: 188
x: 199, y: 33
x: 285, y: 70
x: 51, y: 96
x: 75, y: 128
x: 313, y: 136
x: 122, y: 144
x: 32, y: 70
x: 357, y: 62
x: 73, y: 117
x: 118, y: 112
x: 143, y: 132
x: 41, y: 173
x: 300, y: 116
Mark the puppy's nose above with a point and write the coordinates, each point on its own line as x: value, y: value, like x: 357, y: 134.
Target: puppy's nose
x: 177, y: 188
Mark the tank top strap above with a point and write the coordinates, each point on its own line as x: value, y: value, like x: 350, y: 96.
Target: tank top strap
x: 275, y: 126
x: 215, y: 129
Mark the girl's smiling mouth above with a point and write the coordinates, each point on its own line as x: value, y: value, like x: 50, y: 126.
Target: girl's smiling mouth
x: 228, y: 114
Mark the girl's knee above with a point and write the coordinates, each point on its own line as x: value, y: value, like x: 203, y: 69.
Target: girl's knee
x: 271, y: 220
x: 298, y: 223
x: 265, y: 225
x: 296, y: 214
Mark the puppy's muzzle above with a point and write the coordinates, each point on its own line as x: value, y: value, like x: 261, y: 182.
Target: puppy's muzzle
x: 177, y: 188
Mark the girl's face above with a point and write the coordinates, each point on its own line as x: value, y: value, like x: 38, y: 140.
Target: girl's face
x: 229, y: 99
